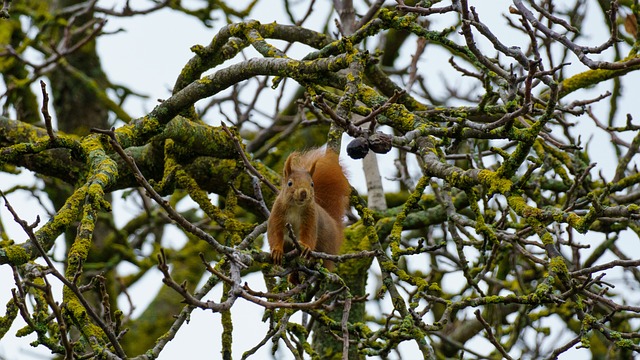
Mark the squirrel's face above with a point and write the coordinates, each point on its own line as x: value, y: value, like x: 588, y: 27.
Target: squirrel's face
x: 300, y: 189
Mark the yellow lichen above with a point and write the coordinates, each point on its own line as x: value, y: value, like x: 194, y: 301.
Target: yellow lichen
x: 495, y: 183
x: 16, y: 254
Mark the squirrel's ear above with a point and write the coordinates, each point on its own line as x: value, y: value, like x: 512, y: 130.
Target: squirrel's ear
x: 287, y: 166
x: 313, y: 168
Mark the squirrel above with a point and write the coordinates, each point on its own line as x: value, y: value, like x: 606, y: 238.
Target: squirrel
x: 314, y: 199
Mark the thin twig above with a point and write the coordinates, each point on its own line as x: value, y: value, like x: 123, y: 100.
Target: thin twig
x: 246, y: 161
x: 345, y: 328
x: 373, y: 10
x: 427, y: 11
x: 491, y: 337
x: 609, y: 265
x: 377, y: 111
x: 45, y: 112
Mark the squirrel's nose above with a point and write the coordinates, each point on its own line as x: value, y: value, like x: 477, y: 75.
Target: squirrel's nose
x: 303, y: 194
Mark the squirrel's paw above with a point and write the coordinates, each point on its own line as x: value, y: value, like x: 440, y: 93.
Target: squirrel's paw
x: 304, y: 250
x: 276, y: 256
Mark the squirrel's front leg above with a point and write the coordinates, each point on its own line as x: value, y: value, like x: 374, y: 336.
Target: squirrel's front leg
x: 308, y: 233
x: 275, y: 234
x: 277, y: 251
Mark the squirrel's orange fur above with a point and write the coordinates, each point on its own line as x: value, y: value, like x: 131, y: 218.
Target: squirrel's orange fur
x: 313, y: 199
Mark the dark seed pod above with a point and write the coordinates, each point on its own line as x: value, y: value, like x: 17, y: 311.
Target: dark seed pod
x: 358, y: 148
x: 380, y: 143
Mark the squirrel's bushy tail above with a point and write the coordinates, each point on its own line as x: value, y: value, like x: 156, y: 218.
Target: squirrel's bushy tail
x: 331, y: 186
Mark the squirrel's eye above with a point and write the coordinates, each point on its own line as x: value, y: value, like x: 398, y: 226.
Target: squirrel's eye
x: 290, y: 183
x: 312, y: 184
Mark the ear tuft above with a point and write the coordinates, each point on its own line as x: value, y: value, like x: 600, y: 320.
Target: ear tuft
x: 287, y: 166
x: 313, y: 168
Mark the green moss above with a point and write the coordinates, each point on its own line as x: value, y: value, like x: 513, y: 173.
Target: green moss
x: 356, y: 237
x: 204, y: 81
x: 547, y: 239
x: 592, y: 77
x: 396, y: 232
x: 625, y: 182
x: 459, y: 179
x: 7, y: 320
x: 402, y: 119
x: 370, y: 96
x: 138, y: 132
x: 227, y: 324
x: 197, y: 49
x: 16, y: 254
x: 624, y: 343
x: 519, y: 205
x: 558, y: 266
x: 495, y: 299
x: 75, y: 311
x: 574, y: 220
x: 82, y: 244
x: 542, y: 292
x: 583, y: 224
x: 91, y: 144
x: 487, y: 231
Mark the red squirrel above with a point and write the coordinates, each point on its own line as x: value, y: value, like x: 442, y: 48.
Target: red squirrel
x: 314, y: 199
